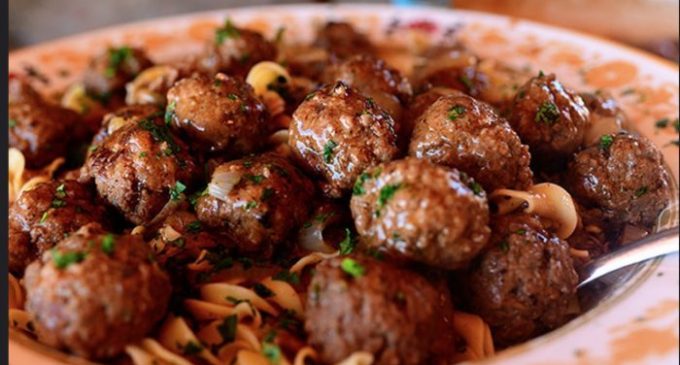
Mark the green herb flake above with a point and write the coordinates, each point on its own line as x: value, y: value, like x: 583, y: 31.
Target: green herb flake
x: 504, y: 246
x: 169, y: 111
x: 44, y: 216
x: 116, y: 58
x: 358, y: 188
x: 60, y: 191
x: 662, y: 123
x: 456, y: 112
x: 225, y: 32
x: 386, y: 193
x: 641, y: 191
x: 540, y: 73
x: 476, y: 188
x: 606, y: 142
x: 12, y: 123
x: 108, y: 244
x: 63, y: 259
x: 310, y: 96
x: 180, y: 243
x: 195, y: 196
x: 194, y: 227
x: 255, y: 179
x: 521, y: 232
x: 287, y: 276
x: 328, y: 151
x: 177, y: 190
x: 348, y: 244
x: 250, y: 205
x: 547, y: 113
x: 272, y: 352
x: 267, y: 194
x: 160, y: 133
x: 270, y: 336
x: 227, y: 328
x: 191, y: 348
x: 352, y: 267
x: 467, y: 82
x: 58, y: 203
x: 232, y: 96
x: 262, y: 291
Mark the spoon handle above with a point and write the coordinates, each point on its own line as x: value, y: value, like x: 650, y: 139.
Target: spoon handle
x: 657, y: 244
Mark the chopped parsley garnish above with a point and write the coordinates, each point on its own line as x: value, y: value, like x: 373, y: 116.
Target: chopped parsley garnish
x: 547, y: 113
x: 226, y: 31
x: 12, y: 123
x: 287, y: 276
x: 386, y: 193
x: 456, y: 112
x: 194, y: 226
x: 58, y: 203
x: 232, y: 96
x: 641, y: 191
x: 606, y: 142
x: 467, y: 82
x: 227, y: 328
x: 256, y: 179
x: 521, y: 231
x: 348, y: 244
x: 272, y: 352
x: 320, y: 218
x: 328, y: 151
x: 662, y: 123
x: 116, y: 57
x: 160, y: 134
x: 191, y: 348
x: 250, y: 205
x: 194, y: 197
x: 63, y: 259
x: 143, y: 154
x: 352, y: 267
x: 179, y: 242
x: 177, y: 190
x: 169, y: 111
x: 44, y: 216
x: 108, y: 244
x: 267, y: 194
x: 540, y: 73
x: 370, y: 103
x: 263, y: 291
x: 310, y: 95
x: 504, y: 246
x: 476, y: 188
x: 359, y: 184
x: 270, y: 336
x: 378, y: 255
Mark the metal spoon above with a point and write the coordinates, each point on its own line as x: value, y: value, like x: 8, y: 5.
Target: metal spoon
x: 654, y: 245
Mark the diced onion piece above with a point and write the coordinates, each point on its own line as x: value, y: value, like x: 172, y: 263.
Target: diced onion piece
x: 311, y: 238
x: 169, y: 234
x: 76, y: 99
x: 264, y: 74
x: 222, y: 182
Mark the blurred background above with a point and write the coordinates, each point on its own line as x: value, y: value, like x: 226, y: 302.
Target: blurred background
x: 648, y: 24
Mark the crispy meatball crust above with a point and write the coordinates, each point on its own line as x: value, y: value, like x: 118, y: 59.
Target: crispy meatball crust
x: 41, y: 130
x: 461, y: 132
x: 45, y: 215
x: 341, y: 40
x: 393, y: 313
x: 269, y: 200
x: 338, y: 133
x: 235, y: 50
x: 550, y: 118
x: 93, y: 308
x: 417, y: 210
x: 108, y: 72
x: 624, y: 177
x: 523, y: 282
x: 220, y: 114
x: 137, y: 166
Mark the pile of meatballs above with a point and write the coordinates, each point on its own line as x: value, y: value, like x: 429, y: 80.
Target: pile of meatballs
x: 405, y: 163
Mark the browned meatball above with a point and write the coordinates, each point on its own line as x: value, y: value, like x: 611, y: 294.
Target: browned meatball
x: 523, y: 283
x: 96, y: 292
x: 338, y: 133
x: 623, y: 176
x: 417, y: 210
x: 361, y: 304
x: 140, y: 167
x: 41, y: 130
x: 550, y: 118
x: 219, y: 114
x: 111, y: 70
x: 341, y: 40
x: 459, y: 131
x: 257, y: 201
x: 44, y: 215
x: 453, y: 69
x: 235, y: 50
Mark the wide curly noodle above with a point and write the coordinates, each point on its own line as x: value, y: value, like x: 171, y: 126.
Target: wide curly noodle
x: 21, y: 179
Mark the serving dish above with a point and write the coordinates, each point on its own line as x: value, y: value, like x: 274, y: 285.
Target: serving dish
x: 636, y: 318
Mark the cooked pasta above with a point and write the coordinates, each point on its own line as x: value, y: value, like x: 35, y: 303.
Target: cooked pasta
x: 21, y: 179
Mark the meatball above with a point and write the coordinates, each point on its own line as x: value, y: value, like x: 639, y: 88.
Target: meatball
x: 181, y: 239
x: 126, y: 115
x: 41, y: 130
x: 220, y: 114
x: 361, y: 304
x: 235, y: 50
x: 44, y: 215
x: 341, y: 40
x: 417, y: 210
x: 459, y: 131
x: 453, y: 69
x: 338, y: 133
x: 375, y: 79
x: 96, y: 292
x: 108, y: 72
x: 256, y: 201
x: 523, y: 283
x: 416, y: 108
x: 624, y: 177
x: 550, y: 118
x: 140, y: 167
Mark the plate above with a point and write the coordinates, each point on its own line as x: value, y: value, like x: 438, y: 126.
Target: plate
x: 636, y: 322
